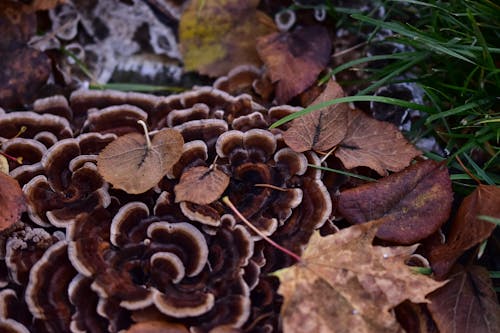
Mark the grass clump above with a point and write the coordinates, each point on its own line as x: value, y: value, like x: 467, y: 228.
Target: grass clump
x: 450, y: 49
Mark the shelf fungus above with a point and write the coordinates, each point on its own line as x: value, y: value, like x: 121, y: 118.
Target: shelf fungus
x: 91, y: 256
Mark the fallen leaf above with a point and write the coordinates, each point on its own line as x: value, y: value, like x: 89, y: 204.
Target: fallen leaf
x: 12, y: 201
x: 294, y: 59
x: 376, y: 144
x: 467, y: 303
x: 24, y: 69
x: 467, y: 230
x: 4, y: 165
x: 412, y: 204
x: 415, y: 318
x: 321, y: 129
x: 345, y: 284
x: 43, y: 4
x: 201, y: 185
x: 129, y: 164
x: 218, y: 35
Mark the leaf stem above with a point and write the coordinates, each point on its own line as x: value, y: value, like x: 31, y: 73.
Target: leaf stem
x: 258, y: 232
x: 146, y: 133
x: 19, y: 160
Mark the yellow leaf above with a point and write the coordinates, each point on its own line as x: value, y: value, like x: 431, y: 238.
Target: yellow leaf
x: 218, y: 35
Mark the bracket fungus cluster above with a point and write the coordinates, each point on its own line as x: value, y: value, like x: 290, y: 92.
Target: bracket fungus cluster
x: 92, y: 255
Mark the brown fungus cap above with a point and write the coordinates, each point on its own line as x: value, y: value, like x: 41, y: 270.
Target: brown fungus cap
x: 11, y: 124
x: 64, y: 190
x: 46, y: 300
x: 117, y: 119
x: 57, y: 105
x: 125, y: 259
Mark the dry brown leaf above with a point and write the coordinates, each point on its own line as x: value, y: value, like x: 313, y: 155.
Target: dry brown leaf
x: 467, y: 303
x: 201, y: 185
x: 128, y: 164
x: 294, y: 59
x: 35, y: 5
x: 12, y: 201
x: 322, y: 129
x: 218, y: 35
x: 345, y: 284
x: 412, y: 204
x: 376, y: 144
x: 467, y: 229
x: 24, y: 69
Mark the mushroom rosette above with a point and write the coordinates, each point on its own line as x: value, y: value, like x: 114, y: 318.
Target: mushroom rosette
x: 126, y: 261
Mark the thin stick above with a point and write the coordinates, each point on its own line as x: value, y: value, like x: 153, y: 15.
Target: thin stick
x: 467, y: 171
x: 146, y: 133
x: 19, y: 160
x: 258, y: 232
x: 272, y: 187
x: 323, y: 159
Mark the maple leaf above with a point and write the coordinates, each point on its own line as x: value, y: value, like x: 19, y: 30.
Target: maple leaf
x: 346, y: 284
x: 412, y: 204
x: 216, y: 36
x: 376, y: 144
x: 467, y: 229
x: 294, y: 59
x: 321, y: 129
x: 467, y: 303
x: 12, y: 201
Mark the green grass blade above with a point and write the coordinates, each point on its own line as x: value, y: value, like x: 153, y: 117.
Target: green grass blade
x: 136, y: 87
x: 381, y: 99
x: 345, y: 173
x: 458, y: 110
x: 491, y: 219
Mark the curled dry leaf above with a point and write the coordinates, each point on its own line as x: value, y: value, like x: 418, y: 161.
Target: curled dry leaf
x: 346, y: 284
x: 129, y: 164
x: 411, y: 204
x: 376, y: 144
x: 216, y: 36
x: 294, y: 59
x: 321, y: 129
x: 12, y: 201
x: 201, y: 185
x: 467, y: 229
x: 467, y: 303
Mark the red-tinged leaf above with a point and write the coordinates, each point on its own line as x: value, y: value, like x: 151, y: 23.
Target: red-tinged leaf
x: 415, y: 318
x: 129, y: 164
x: 294, y: 59
x: 201, y: 185
x: 412, y: 204
x: 467, y: 303
x: 467, y: 229
x: 375, y: 144
x: 345, y: 284
x: 322, y: 129
x: 12, y: 201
